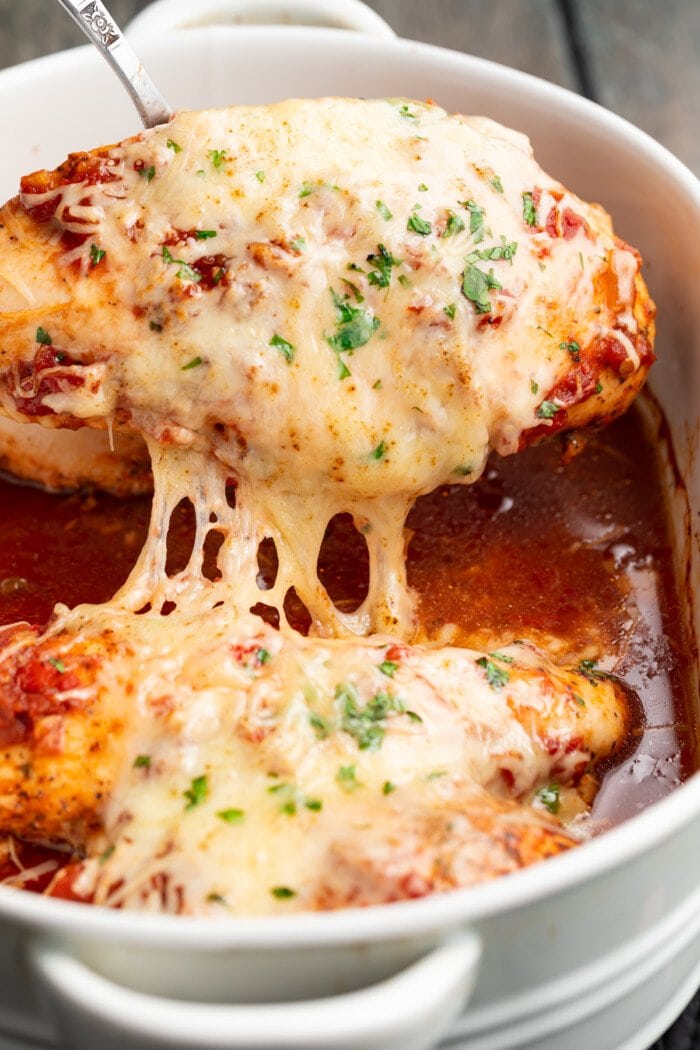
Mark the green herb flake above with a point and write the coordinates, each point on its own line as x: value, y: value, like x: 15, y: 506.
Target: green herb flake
x: 388, y: 667
x: 579, y: 700
x: 403, y: 279
x: 187, y: 273
x: 320, y: 725
x: 171, y: 144
x: 495, y: 676
x: 354, y: 328
x: 217, y: 157
x: 589, y: 670
x: 503, y: 657
x: 496, y: 183
x: 275, y: 788
x: 347, y: 778
x: 388, y: 787
x: 298, y: 244
x: 284, y: 347
x: 289, y: 808
x: 476, y: 220
x: 383, y: 261
x: 57, y: 664
x: 216, y: 898
x: 414, y: 716
x: 437, y: 774
x: 383, y: 210
x: 450, y: 310
x: 549, y: 797
x: 260, y: 176
x: 418, y: 225
x: 379, y: 452
x: 529, y: 209
x: 283, y: 893
x: 599, y: 388
x: 194, y: 363
x: 204, y: 235
x: 534, y: 387
x: 96, y: 254
x: 357, y: 294
x: 405, y: 112
x: 104, y: 857
x: 571, y: 347
x: 463, y: 471
x: 147, y: 173
x: 43, y: 337
x: 504, y: 250
x: 547, y: 410
x: 263, y: 656
x: 422, y: 188
x: 377, y: 385
x: 476, y: 285
x: 142, y: 762
x: 454, y: 225
x: 197, y: 792
x: 314, y: 804
x: 307, y: 189
x: 231, y: 816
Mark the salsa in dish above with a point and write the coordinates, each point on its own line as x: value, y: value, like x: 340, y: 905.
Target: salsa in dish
x: 316, y: 314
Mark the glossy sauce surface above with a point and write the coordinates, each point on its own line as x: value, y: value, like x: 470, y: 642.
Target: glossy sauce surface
x: 576, y: 557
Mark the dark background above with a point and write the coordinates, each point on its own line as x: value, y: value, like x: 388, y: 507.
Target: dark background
x: 640, y: 58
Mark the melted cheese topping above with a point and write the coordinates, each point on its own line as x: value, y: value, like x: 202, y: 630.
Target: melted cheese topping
x: 340, y: 305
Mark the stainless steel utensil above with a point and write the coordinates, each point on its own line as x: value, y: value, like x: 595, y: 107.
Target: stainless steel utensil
x: 100, y: 28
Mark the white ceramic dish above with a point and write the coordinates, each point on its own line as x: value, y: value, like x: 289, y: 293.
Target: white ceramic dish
x: 599, y: 948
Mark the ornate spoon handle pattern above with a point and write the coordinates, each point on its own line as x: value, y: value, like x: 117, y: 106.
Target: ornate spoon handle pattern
x: 98, y: 25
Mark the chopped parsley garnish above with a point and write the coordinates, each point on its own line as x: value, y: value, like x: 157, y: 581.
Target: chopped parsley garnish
x: 388, y: 667
x: 476, y: 220
x: 450, y: 310
x: 476, y: 285
x: 383, y: 261
x: 418, y: 225
x: 217, y: 157
x: 383, y: 210
x: 216, y: 898
x: 264, y: 656
x: 366, y: 723
x: 96, y: 254
x: 185, y: 273
x: 283, y: 893
x: 289, y: 808
x: 588, y: 668
x: 388, y: 787
x: 142, y: 762
x: 453, y: 225
x: 260, y: 176
x: 403, y: 279
x: 347, y: 778
x: 504, y: 250
x: 495, y: 676
x: 196, y: 792
x: 379, y: 452
x: 204, y: 235
x: 422, y: 188
x: 405, y: 112
x: 171, y: 144
x: 503, y: 657
x: 320, y: 725
x: 414, y: 716
x: 57, y: 664
x: 579, y: 700
x: 549, y: 797
x: 599, y: 388
x: 547, y: 410
x: 529, y: 209
x: 104, y: 857
x: 534, y: 387
x: 147, y: 173
x: 437, y: 774
x: 572, y: 347
x: 194, y: 363
x: 298, y: 244
x: 496, y: 183
x: 43, y: 337
x: 357, y: 294
x: 354, y: 328
x: 314, y: 804
x: 463, y: 471
x: 310, y: 187
x: 231, y: 816
x: 284, y: 347
x: 377, y: 385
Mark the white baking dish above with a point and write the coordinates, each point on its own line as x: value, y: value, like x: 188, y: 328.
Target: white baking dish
x: 598, y: 949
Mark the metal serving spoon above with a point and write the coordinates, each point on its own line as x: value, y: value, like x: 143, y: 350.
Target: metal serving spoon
x: 100, y: 28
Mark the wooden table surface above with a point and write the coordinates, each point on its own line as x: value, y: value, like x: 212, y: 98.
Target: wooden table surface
x: 640, y: 58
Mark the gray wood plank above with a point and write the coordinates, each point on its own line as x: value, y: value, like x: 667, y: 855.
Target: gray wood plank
x: 527, y: 35
x: 645, y: 60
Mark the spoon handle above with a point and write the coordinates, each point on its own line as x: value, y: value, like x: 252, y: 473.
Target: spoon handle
x: 98, y: 25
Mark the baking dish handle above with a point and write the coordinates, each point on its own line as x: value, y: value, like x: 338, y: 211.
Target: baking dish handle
x: 165, y: 15
x: 412, y: 1010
